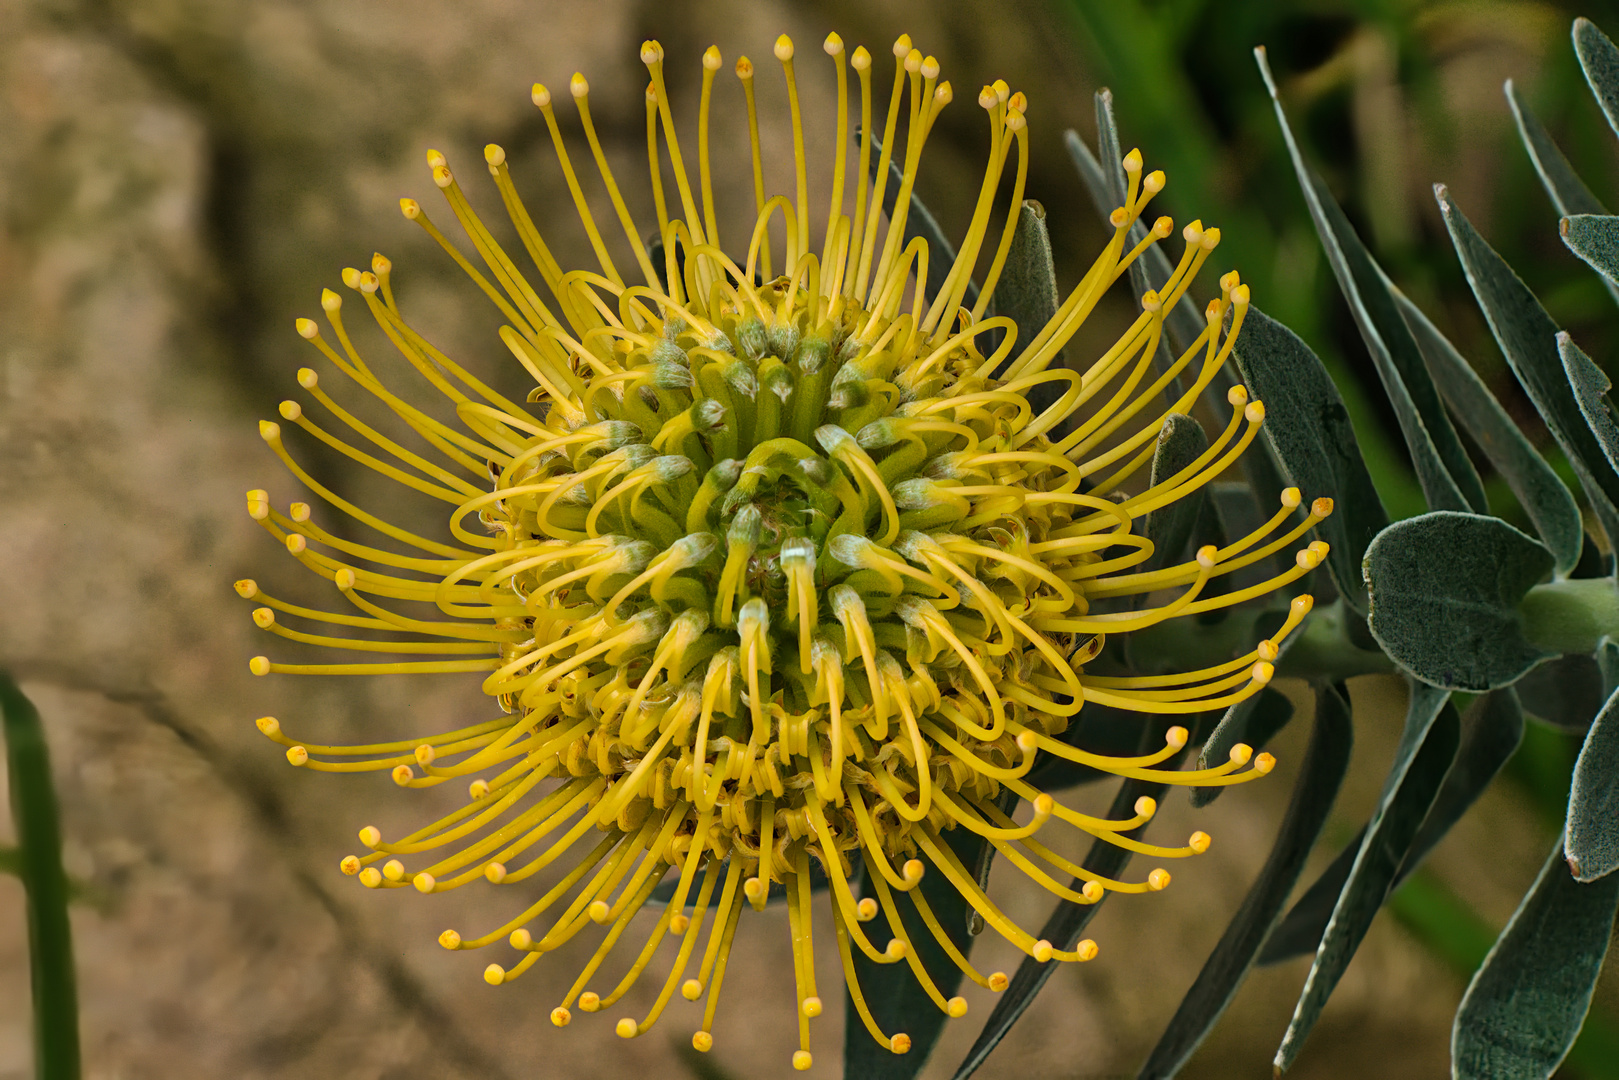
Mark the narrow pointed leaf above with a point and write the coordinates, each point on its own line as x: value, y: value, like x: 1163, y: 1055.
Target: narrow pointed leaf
x: 1253, y: 722
x: 1569, y: 193
x: 1494, y: 728
x: 1600, y: 61
x: 1593, y: 799
x: 1314, y: 793
x: 1445, y: 589
x: 1027, y: 293
x: 1448, y: 479
x: 1594, y: 238
x: 1067, y: 922
x: 1539, y: 490
x: 1528, y: 340
x: 1591, y: 388
x: 1180, y: 441
x: 1427, y: 748
x: 39, y: 844
x: 1307, y: 429
x: 1526, y: 1004
x: 892, y: 992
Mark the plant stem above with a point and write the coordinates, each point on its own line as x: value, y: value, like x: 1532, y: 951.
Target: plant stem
x: 1571, y: 616
x: 50, y: 940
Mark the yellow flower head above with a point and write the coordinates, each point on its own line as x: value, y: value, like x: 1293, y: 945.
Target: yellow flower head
x: 770, y: 575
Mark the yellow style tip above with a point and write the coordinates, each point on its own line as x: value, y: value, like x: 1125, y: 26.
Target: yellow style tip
x: 578, y: 86
x: 1158, y: 880
x: 410, y: 208
x: 307, y: 329
x: 802, y: 1060
x: 956, y: 1008
x: 712, y: 60
x: 1093, y: 891
x: 998, y: 981
x: 900, y: 1043
x: 627, y: 1028
x: 784, y: 48
x: 307, y: 377
x: 351, y: 277
x: 1087, y: 949
x: 393, y: 870
x: 860, y: 59
x: 370, y: 836
x: 371, y: 877
x: 436, y: 160
x: 495, y: 873
x: 702, y: 1042
x: 1199, y: 841
x: 495, y: 155
x: 1264, y: 763
x: 330, y: 300
x: 811, y: 1006
x: 902, y: 46
x: 691, y: 989
x: 866, y: 910
x: 1132, y: 161
x: 269, y: 430
x: 494, y: 974
x: 424, y: 882
x: 590, y: 1001
x: 478, y: 789
x: 290, y: 410
x: 259, y: 665
x: 540, y: 95
x: 450, y: 940
x: 1146, y: 807
x: 268, y: 725
x: 1043, y: 950
x: 651, y: 53
x: 896, y: 949
x: 561, y: 1017
x: 403, y: 774
x: 344, y: 579
x: 297, y: 756
x: 521, y: 939
x: 350, y: 865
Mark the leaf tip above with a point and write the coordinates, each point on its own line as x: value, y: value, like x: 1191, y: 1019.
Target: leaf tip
x: 1562, y: 227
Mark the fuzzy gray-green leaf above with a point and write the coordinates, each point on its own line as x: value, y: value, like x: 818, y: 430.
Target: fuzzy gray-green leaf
x: 1593, y: 800
x: 1549, y: 504
x: 1427, y: 748
x: 1445, y: 589
x: 1308, y: 430
x: 1492, y: 730
x: 1528, y: 1000
x: 1591, y: 388
x: 1027, y: 293
x: 1180, y: 441
x: 1314, y: 793
x: 1528, y: 340
x: 1600, y: 61
x: 1594, y: 238
x: 1448, y: 479
x: 1569, y: 193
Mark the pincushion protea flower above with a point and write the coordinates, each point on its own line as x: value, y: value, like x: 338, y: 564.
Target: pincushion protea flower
x: 768, y: 573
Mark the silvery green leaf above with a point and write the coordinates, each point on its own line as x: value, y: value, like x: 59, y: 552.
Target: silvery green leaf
x: 1180, y: 441
x: 1308, y: 431
x: 1445, y: 589
x: 1600, y: 61
x: 1594, y: 238
x: 1425, y: 752
x: 1528, y: 340
x: 1593, y: 800
x: 1492, y: 730
x: 1549, y: 504
x: 1447, y: 476
x: 1527, y: 1002
x: 1027, y: 293
x: 1314, y: 793
x: 1569, y: 193
x: 1591, y: 388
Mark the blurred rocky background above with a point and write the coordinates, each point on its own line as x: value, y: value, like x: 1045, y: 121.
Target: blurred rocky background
x: 182, y: 177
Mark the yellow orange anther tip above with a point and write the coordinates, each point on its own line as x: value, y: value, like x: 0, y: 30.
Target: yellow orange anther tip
x: 860, y: 60
x: 1241, y: 753
x: 1154, y: 182
x: 1303, y: 603
x: 913, y: 870
x: 1322, y: 507
x: 626, y: 1028
x: 494, y: 974
x: 1176, y: 736
x: 371, y: 877
x: 578, y: 86
x: 435, y: 159
x: 1026, y: 742
x: 520, y: 939
x: 307, y: 377
x: 264, y: 618
x: 1087, y: 949
x: 450, y: 940
x: 1118, y: 218
x: 1237, y: 395
x: 866, y: 910
x: 1267, y: 651
x: 1146, y: 806
x: 702, y: 1042
x: 297, y: 755
x: 1263, y: 672
x: 651, y: 52
x: 425, y: 755
x: 783, y: 48
x: 1206, y: 556
x: 478, y: 788
x: 802, y: 1060
x: 259, y: 665
x: 495, y: 155
x: 410, y: 208
x: 393, y: 869
x: 1163, y: 227
x: 1093, y: 891
x: 691, y: 989
x: 494, y: 873
x: 956, y: 1008
x: 1264, y: 763
x: 902, y: 45
x: 268, y: 725
x: 1255, y: 412
x: 1291, y: 497
x: 598, y: 913
x: 370, y: 836
x: 1132, y: 160
x: 744, y: 68
x: 930, y: 67
x: 811, y: 1006
x: 351, y: 277
x: 1043, y: 805
x: 754, y: 888
x: 998, y: 981
x: 712, y: 60
x: 443, y: 177
x: 1210, y: 239
x: 269, y: 430
x: 561, y: 1017
x: 1192, y: 232
x: 380, y: 263
x: 1043, y: 950
x: 895, y: 950
x: 350, y: 865
x: 1240, y: 295
x: 344, y: 579
x: 1199, y: 841
x: 833, y: 44
x: 297, y: 543
x: 307, y: 329
x: 900, y: 1043
x: 987, y: 98
x: 590, y: 1001
x: 1158, y: 880
x: 424, y: 882
x: 403, y: 774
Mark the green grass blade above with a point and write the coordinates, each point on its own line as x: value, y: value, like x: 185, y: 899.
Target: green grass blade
x: 50, y: 940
